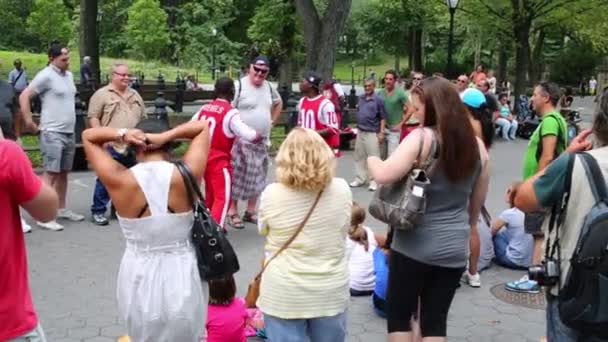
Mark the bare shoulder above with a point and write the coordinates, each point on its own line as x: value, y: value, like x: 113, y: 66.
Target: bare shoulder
x: 483, y: 151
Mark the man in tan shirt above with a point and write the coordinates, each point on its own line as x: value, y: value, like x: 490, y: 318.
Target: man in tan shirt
x: 118, y: 106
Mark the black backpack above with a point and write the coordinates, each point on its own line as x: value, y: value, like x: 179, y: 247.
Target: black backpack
x: 583, y: 300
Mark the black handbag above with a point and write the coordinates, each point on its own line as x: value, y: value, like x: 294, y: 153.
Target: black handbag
x: 214, y: 253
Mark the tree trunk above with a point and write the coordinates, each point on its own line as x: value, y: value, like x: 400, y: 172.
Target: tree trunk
x: 417, y: 50
x: 521, y: 30
x: 537, y: 61
x: 397, y: 62
x: 503, y: 58
x: 287, y: 44
x: 89, y: 41
x: 410, y: 49
x: 321, y: 35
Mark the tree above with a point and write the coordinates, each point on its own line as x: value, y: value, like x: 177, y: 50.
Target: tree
x: 321, y: 33
x: 49, y: 21
x: 273, y: 30
x: 146, y: 29
x: 527, y: 18
x: 384, y: 19
x: 89, y: 40
x: 194, y: 38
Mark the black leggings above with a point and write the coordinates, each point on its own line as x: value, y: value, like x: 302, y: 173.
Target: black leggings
x: 410, y: 280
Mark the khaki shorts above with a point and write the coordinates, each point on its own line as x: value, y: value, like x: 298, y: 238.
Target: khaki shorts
x: 36, y: 335
x: 57, y: 150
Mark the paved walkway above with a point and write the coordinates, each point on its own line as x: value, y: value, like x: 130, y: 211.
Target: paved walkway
x: 73, y: 274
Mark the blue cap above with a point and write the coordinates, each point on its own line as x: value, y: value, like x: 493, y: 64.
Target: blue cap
x: 473, y: 98
x: 261, y: 60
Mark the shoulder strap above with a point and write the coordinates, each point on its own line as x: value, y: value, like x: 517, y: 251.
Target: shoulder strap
x: 238, y: 94
x: 18, y: 77
x: 194, y: 192
x: 294, y: 236
x: 432, y: 157
x: 539, y: 148
x: 595, y: 177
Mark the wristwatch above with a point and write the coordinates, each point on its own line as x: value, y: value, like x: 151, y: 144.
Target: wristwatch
x: 121, y: 133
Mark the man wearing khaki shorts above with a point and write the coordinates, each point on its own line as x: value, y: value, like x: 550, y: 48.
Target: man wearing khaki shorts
x: 55, y: 87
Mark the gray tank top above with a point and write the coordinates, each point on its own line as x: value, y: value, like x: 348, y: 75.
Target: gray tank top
x: 442, y: 239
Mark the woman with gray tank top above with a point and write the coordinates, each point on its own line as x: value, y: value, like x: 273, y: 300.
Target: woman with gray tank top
x: 160, y: 294
x: 426, y: 263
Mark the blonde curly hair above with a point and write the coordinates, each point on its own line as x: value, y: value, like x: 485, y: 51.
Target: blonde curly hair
x: 305, y: 161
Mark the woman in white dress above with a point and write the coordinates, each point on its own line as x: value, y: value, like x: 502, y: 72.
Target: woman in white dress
x: 160, y: 294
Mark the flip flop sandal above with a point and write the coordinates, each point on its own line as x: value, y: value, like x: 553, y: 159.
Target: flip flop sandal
x: 235, y: 221
x: 249, y: 217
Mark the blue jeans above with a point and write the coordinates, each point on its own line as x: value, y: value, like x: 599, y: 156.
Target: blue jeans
x: 508, y: 128
x: 501, y: 242
x: 321, y: 329
x: 100, y: 195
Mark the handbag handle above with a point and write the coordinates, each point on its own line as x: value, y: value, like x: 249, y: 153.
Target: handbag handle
x: 190, y: 183
x: 293, y: 237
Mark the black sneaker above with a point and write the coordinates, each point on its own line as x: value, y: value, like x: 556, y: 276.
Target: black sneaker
x: 100, y: 219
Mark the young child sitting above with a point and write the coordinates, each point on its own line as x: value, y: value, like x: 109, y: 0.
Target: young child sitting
x: 512, y: 246
x: 226, y: 314
x: 360, y: 246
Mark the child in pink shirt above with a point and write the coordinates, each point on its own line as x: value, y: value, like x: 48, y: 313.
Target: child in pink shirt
x: 226, y: 314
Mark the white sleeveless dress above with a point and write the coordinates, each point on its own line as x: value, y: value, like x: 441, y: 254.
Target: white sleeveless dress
x: 160, y: 294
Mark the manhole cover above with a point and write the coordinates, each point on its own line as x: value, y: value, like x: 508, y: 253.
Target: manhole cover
x: 528, y: 300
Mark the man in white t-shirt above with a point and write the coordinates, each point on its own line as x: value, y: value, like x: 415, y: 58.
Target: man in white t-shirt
x: 592, y: 86
x: 259, y: 105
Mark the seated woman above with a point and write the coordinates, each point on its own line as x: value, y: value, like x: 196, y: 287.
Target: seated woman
x: 360, y: 246
x: 512, y: 246
x: 506, y: 123
x: 160, y: 294
x: 304, y: 289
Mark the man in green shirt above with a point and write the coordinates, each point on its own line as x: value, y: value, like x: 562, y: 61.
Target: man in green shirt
x: 546, y: 143
x: 395, y: 100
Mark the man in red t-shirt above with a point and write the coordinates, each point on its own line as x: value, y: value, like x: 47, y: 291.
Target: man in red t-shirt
x: 19, y: 186
x: 317, y: 112
x: 225, y: 125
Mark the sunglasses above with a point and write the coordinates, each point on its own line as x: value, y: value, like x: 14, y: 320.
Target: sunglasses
x: 417, y: 79
x: 462, y: 81
x: 121, y: 75
x: 260, y: 70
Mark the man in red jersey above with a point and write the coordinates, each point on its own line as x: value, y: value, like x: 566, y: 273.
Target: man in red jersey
x: 19, y: 186
x: 224, y: 125
x: 316, y: 112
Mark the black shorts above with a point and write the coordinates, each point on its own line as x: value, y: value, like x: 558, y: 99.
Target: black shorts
x: 410, y: 281
x: 533, y: 223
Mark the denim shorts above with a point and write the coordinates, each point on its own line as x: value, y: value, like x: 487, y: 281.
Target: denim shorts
x: 57, y: 150
x: 560, y: 332
x: 36, y: 335
x: 321, y: 329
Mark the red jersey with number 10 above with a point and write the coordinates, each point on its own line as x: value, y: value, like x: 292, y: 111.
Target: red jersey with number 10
x: 319, y: 113
x: 219, y: 113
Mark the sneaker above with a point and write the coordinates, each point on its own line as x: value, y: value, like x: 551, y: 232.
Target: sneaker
x: 26, y: 227
x: 70, y: 215
x: 356, y: 184
x: 372, y: 186
x: 100, y: 219
x: 474, y: 280
x: 523, y: 285
x: 51, y: 225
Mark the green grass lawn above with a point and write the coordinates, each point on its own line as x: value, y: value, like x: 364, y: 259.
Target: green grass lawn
x: 379, y: 64
x: 34, y: 62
